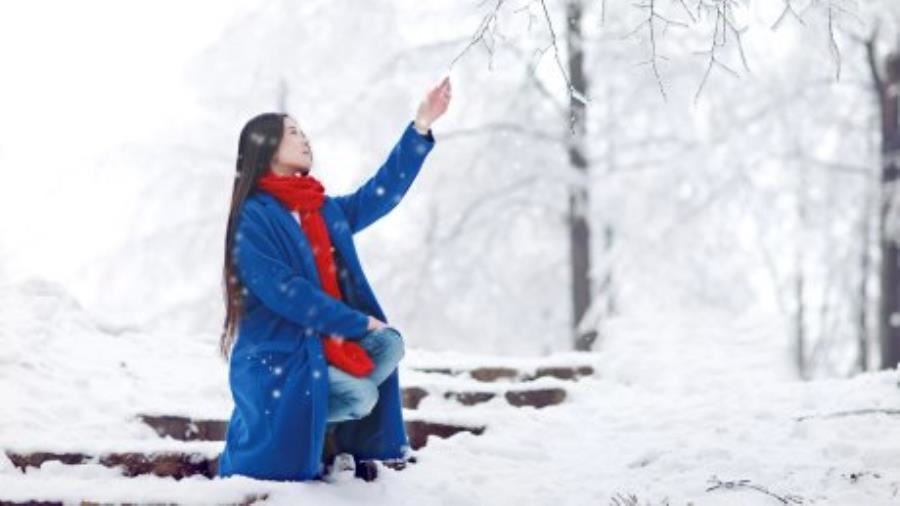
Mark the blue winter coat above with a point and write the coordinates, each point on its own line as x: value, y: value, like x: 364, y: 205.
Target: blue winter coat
x: 277, y: 373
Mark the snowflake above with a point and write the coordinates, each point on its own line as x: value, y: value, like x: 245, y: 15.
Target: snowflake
x: 379, y: 190
x: 278, y: 370
x: 276, y: 393
x: 316, y: 374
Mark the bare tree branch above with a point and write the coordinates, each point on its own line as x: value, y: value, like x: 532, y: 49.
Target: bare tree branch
x: 723, y: 24
x: 730, y: 485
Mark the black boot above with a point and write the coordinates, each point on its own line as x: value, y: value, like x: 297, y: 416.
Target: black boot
x: 366, y: 470
x: 329, y: 449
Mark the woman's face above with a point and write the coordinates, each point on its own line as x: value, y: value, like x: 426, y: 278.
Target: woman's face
x: 294, y: 153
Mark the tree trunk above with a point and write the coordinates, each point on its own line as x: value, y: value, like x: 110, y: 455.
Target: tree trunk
x: 865, y: 264
x: 889, y: 269
x: 579, y: 202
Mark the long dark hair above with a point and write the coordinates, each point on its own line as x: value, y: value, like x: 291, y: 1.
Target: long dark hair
x: 258, y: 143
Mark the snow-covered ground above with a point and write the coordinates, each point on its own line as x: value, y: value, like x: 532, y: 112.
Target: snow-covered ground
x: 678, y: 401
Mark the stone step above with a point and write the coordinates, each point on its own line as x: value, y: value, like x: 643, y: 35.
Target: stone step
x: 533, y: 397
x: 182, y: 464
x: 419, y: 430
x: 248, y: 501
x: 178, y: 465
x: 174, y: 464
x: 187, y: 429
x: 170, y: 464
x: 493, y: 374
x: 63, y: 490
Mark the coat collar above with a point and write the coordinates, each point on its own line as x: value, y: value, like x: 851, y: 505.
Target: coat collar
x: 337, y: 228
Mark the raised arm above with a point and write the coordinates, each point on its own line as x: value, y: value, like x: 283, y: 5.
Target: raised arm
x: 383, y: 191
x: 284, y: 291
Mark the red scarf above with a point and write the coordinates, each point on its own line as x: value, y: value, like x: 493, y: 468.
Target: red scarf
x: 305, y: 194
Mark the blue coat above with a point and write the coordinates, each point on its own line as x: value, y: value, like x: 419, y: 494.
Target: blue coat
x: 277, y: 373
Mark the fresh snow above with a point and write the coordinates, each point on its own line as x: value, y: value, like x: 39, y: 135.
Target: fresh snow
x: 677, y: 401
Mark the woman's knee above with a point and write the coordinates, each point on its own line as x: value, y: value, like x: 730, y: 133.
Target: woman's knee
x: 365, y: 398
x: 394, y: 342
x: 384, y: 344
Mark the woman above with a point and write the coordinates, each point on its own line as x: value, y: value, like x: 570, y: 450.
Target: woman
x: 296, y: 295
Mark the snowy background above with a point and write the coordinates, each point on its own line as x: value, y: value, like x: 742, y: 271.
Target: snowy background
x: 118, y: 133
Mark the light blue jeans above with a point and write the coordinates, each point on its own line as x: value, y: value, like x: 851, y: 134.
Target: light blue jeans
x: 351, y: 397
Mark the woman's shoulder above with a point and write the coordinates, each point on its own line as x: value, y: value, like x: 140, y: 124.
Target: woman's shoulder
x: 257, y: 201
x: 253, y: 210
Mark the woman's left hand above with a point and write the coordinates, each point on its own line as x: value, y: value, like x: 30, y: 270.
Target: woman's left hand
x: 434, y: 105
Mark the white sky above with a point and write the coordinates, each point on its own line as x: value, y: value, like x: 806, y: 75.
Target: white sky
x: 79, y: 79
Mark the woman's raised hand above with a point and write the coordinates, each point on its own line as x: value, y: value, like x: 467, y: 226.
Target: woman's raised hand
x: 433, y: 106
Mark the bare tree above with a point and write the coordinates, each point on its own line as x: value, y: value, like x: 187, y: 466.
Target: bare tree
x: 889, y: 270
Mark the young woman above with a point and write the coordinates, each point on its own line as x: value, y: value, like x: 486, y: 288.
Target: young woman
x: 305, y: 338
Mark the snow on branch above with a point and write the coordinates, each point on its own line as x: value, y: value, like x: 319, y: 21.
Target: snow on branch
x: 654, y: 20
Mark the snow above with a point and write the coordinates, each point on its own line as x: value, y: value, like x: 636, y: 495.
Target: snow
x: 677, y: 402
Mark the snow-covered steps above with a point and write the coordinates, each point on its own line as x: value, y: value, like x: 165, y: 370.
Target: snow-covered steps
x: 91, y: 484
x: 419, y: 430
x: 171, y: 464
x: 178, y: 464
x: 497, y: 373
x: 535, y: 397
x: 182, y: 428
x: 470, y: 380
x: 184, y: 454
x: 538, y: 394
x: 163, y: 464
x: 500, y: 373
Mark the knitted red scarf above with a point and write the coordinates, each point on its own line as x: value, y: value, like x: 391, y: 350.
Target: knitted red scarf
x: 305, y: 194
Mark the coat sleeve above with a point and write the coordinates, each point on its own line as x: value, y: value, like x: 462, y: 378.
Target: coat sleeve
x: 284, y: 291
x: 383, y: 191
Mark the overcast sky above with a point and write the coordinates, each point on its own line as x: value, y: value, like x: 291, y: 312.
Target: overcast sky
x: 80, y: 79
